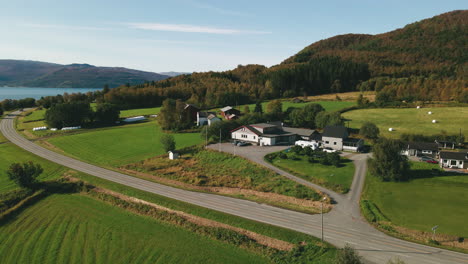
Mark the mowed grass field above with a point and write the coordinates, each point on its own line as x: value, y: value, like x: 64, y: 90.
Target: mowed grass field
x: 423, y: 202
x: 328, y: 105
x: 10, y: 153
x: 338, y: 179
x: 139, y: 112
x: 79, y: 229
x: 122, y: 145
x: 412, y: 120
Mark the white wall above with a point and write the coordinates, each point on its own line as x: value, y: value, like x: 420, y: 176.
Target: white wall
x: 244, y: 134
x: 334, y: 143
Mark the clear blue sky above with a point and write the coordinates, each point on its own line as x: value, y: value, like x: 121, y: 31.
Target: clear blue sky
x: 192, y: 35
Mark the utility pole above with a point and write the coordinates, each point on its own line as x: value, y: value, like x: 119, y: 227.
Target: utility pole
x: 220, y: 140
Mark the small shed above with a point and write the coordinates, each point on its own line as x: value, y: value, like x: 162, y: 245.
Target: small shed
x: 173, y: 155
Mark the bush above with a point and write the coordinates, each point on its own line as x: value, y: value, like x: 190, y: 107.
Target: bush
x: 311, y: 159
x: 369, y: 130
x: 461, y: 239
x: 334, y: 159
x: 296, y: 149
x: 308, y: 151
x: 347, y: 255
x: 295, y: 157
x: 282, y: 155
x: 324, y: 160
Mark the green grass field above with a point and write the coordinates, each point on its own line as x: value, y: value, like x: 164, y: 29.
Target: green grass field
x: 79, y: 229
x: 122, y: 145
x: 338, y: 179
x: 423, y: 202
x: 139, y: 112
x: 35, y: 115
x: 412, y: 120
x: 328, y: 105
x: 10, y: 154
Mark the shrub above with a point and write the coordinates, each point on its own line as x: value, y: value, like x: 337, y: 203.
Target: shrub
x: 308, y: 151
x: 295, y: 157
x: 168, y: 142
x: 296, y: 149
x: 324, y: 160
x: 369, y: 130
x: 282, y: 155
x: 334, y: 159
x: 461, y: 239
x: 347, y: 255
x: 311, y: 159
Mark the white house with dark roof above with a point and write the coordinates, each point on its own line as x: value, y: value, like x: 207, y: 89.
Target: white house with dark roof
x: 421, y: 149
x: 453, y: 160
x: 337, y: 138
x: 264, y: 134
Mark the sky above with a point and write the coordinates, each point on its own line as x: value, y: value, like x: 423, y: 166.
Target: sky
x: 192, y: 35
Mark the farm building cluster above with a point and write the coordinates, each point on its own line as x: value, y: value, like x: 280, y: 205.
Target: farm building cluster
x: 274, y: 133
x: 440, y: 152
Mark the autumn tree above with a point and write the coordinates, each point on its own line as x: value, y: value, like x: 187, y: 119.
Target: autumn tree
x: 387, y: 163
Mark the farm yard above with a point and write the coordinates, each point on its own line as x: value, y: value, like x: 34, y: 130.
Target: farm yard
x: 411, y: 120
x: 427, y: 200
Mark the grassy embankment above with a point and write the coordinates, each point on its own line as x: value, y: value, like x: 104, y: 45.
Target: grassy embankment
x: 226, y: 174
x: 338, y: 179
x: 432, y: 197
x: 412, y: 120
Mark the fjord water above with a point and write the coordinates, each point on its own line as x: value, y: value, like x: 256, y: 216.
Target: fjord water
x: 37, y: 92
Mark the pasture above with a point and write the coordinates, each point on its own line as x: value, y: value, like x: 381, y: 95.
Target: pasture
x: 412, y: 120
x: 10, y: 153
x: 79, y: 229
x: 328, y: 105
x: 338, y: 179
x: 121, y: 145
x: 423, y: 202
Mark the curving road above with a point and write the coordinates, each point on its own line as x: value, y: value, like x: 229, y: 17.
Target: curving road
x: 342, y: 225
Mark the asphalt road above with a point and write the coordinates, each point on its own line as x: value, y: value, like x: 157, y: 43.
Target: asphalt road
x: 341, y: 227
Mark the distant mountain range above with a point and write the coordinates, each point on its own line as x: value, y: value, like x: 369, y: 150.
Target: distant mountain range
x: 43, y: 74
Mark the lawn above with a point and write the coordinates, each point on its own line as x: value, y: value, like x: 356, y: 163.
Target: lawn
x: 10, y: 153
x: 36, y: 115
x: 122, y: 145
x: 412, y: 120
x: 79, y: 229
x: 139, y: 112
x: 336, y: 178
x: 423, y: 202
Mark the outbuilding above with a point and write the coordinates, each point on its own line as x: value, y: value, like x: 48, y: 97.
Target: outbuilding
x: 173, y: 155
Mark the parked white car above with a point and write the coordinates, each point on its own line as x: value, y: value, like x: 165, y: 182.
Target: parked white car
x: 329, y: 150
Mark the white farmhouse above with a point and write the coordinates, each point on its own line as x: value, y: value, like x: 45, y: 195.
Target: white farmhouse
x: 264, y: 134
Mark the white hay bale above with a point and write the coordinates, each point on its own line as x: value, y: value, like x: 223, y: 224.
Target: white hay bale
x: 434, y: 121
x: 429, y: 113
x: 417, y: 107
x: 390, y: 129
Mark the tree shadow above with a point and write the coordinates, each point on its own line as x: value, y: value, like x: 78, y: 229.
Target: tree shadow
x: 431, y: 173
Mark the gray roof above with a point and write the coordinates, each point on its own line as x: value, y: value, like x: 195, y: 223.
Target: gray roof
x: 205, y: 114
x: 299, y: 131
x: 211, y: 116
x: 264, y: 125
x: 335, y: 132
x: 423, y: 146
x: 454, y: 155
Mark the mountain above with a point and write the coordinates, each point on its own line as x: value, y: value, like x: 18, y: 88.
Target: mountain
x: 173, y: 74
x: 438, y: 45
x: 42, y: 74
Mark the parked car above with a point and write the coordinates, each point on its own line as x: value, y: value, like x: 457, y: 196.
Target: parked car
x: 235, y: 142
x: 424, y: 158
x: 241, y: 144
x: 432, y: 161
x: 329, y: 150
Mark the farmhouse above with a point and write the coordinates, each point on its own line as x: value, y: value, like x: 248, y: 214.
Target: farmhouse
x: 453, y: 160
x: 337, y: 138
x: 203, y: 118
x: 446, y: 144
x: 420, y: 149
x: 264, y: 134
x: 230, y: 113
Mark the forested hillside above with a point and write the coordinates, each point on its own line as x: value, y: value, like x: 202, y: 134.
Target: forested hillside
x: 426, y: 60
